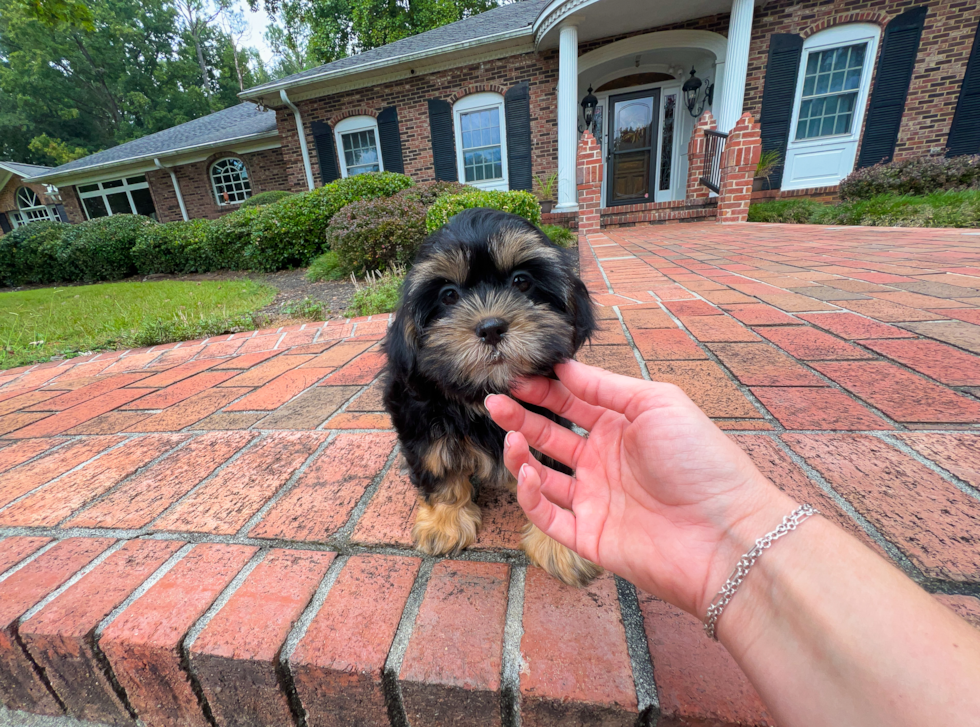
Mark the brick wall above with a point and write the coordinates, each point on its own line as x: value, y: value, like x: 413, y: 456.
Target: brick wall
x: 8, y: 195
x: 411, y: 95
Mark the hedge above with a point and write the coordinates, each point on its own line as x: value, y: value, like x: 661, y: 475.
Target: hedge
x: 27, y: 253
x: 100, y: 249
x: 292, y: 232
x: 376, y: 234
x: 174, y: 248
x: 257, y: 200
x: 915, y: 176
x: 519, y: 203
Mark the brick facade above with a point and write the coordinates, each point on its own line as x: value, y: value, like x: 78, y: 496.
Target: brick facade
x: 8, y: 195
x: 738, y: 164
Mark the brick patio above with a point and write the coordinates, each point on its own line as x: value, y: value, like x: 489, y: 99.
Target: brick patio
x: 214, y: 532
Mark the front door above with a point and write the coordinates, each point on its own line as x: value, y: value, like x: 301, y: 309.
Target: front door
x: 633, y: 147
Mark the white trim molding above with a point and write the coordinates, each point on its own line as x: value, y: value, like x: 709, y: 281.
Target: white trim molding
x: 354, y: 125
x: 663, y: 40
x: 471, y: 103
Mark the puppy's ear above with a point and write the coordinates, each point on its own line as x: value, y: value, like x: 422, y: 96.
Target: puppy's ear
x: 401, y: 345
x: 583, y: 313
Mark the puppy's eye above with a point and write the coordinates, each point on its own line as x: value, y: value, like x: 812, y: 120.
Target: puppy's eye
x: 521, y: 281
x: 449, y: 295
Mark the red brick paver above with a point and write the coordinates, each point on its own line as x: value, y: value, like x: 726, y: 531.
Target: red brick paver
x: 825, y: 352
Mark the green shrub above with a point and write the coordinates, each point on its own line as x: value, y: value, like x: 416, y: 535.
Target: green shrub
x: 174, y: 248
x: 377, y: 294
x: 523, y: 204
x: 794, y: 211
x: 27, y: 253
x: 291, y: 232
x: 257, y: 200
x: 561, y: 236
x: 229, y: 238
x: 374, y: 234
x: 914, y: 176
x: 428, y: 192
x: 325, y: 267
x: 101, y: 249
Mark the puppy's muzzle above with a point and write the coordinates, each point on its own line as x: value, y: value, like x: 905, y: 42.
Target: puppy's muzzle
x: 491, y: 330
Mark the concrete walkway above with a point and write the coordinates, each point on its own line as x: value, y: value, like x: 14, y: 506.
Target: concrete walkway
x: 214, y: 531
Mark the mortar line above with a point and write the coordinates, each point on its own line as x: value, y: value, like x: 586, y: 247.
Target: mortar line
x: 28, y: 559
x: 641, y: 662
x: 512, y: 661
x: 632, y: 344
x: 965, y: 487
x: 399, y: 645
x: 347, y: 402
x: 343, y: 534
x: 51, y: 450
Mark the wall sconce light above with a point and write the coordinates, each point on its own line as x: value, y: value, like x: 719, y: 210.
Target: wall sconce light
x: 697, y: 94
x: 588, y: 109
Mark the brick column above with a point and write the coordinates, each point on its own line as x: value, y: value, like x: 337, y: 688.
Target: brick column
x: 738, y: 165
x: 695, y: 157
x: 589, y: 180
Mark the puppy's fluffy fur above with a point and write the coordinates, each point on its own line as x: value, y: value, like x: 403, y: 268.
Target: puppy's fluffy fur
x: 490, y: 299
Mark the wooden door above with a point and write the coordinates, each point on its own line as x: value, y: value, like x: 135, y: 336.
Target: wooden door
x: 633, y: 147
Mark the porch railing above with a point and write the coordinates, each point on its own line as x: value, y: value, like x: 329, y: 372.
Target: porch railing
x: 713, y: 147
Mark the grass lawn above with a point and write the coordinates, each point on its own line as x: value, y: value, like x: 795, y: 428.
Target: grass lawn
x: 38, y: 324
x: 942, y: 209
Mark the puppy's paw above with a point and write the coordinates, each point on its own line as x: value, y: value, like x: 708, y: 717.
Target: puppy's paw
x: 563, y: 563
x: 440, y: 529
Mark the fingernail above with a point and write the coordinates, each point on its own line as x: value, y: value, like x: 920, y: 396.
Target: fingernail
x: 486, y: 401
x: 521, y: 475
x: 507, y: 440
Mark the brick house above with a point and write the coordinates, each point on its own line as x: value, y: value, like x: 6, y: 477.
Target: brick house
x: 21, y: 201
x: 496, y: 100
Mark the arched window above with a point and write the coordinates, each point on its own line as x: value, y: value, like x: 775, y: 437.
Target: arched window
x: 357, y: 146
x: 31, y: 208
x: 229, y: 177
x: 481, y: 140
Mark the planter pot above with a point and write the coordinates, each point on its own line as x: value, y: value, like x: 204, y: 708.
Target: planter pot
x: 758, y: 185
x: 547, y: 206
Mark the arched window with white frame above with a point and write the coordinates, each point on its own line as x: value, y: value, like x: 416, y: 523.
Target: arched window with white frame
x: 828, y: 110
x: 30, y: 208
x: 481, y: 141
x: 358, y: 147
x: 229, y: 179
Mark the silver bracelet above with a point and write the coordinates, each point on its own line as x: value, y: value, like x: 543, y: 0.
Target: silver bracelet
x: 790, y: 523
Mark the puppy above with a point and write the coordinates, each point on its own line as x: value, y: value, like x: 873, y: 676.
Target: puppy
x: 490, y: 299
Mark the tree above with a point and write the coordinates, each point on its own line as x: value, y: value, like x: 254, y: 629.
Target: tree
x: 54, y: 151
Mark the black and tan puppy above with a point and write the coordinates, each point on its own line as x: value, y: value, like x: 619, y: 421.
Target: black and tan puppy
x: 490, y: 299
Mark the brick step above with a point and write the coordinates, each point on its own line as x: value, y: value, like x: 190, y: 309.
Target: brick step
x: 174, y: 633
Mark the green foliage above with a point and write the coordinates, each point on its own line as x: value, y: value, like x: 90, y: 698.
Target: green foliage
x: 230, y: 236
x: 325, y: 267
x: 941, y: 209
x: 53, y: 151
x: 377, y: 294
x: 768, y: 161
x: 375, y: 234
x: 38, y: 324
x: 175, y: 248
x: 307, y: 308
x: 519, y: 203
x: 292, y: 232
x: 915, y: 176
x: 546, y: 186
x: 27, y: 253
x: 561, y: 236
x: 100, y: 249
x: 428, y: 192
x: 257, y: 200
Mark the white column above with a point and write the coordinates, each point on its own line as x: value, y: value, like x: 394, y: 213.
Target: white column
x: 567, y: 118
x: 732, y: 91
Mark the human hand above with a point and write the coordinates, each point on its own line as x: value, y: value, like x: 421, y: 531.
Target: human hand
x: 660, y: 495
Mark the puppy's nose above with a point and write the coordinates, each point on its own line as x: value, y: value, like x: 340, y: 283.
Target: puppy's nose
x: 492, y: 330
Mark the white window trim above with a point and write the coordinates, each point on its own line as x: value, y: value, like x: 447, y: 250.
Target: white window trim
x: 828, y: 39
x: 126, y: 187
x: 35, y: 213
x: 481, y: 102
x: 214, y: 187
x: 351, y: 125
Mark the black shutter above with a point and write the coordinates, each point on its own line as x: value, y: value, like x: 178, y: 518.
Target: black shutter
x: 443, y: 147
x: 4, y: 224
x: 778, y: 97
x: 62, y: 215
x: 895, y: 64
x: 517, y: 110
x: 390, y: 140
x: 323, y: 141
x: 964, y: 134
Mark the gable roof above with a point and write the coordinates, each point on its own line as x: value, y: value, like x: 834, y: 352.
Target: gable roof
x: 23, y: 170
x: 231, y: 124
x: 511, y: 20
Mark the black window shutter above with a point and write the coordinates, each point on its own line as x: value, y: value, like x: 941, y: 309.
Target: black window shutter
x: 895, y: 64
x: 4, y: 223
x: 517, y: 110
x: 62, y: 215
x: 964, y: 134
x: 323, y: 141
x: 443, y: 147
x: 778, y: 97
x: 390, y: 140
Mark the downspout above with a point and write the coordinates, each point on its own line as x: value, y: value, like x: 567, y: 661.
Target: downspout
x: 173, y: 178
x: 302, y: 137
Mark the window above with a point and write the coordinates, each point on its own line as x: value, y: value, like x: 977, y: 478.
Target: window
x: 357, y: 146
x: 30, y: 208
x: 828, y: 109
x: 830, y: 90
x: 481, y: 141
x: 229, y: 177
x: 129, y: 196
